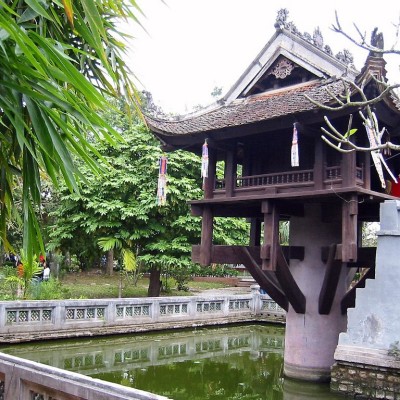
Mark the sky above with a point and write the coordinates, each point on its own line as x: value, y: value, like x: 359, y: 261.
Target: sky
x: 189, y: 47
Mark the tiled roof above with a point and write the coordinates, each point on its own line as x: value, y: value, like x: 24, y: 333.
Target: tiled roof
x: 261, y: 107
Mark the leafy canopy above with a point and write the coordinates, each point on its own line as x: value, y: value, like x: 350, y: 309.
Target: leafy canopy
x: 57, y: 60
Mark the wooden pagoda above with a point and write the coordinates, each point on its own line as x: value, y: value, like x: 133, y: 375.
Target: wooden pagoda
x: 326, y: 196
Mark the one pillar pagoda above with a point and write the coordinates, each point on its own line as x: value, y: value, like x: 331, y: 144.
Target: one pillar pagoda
x: 267, y: 133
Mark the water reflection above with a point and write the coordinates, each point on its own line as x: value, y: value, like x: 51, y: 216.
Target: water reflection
x: 238, y: 363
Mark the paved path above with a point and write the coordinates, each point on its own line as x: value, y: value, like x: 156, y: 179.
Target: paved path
x: 223, y: 291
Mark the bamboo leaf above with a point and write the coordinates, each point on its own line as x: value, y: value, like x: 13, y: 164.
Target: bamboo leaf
x: 36, y: 6
x: 69, y: 12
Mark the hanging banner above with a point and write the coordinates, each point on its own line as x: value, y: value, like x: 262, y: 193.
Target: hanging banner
x: 295, y: 148
x: 204, y: 161
x: 377, y: 158
x: 162, y: 181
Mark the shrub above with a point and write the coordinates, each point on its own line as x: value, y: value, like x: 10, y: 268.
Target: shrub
x: 47, y: 290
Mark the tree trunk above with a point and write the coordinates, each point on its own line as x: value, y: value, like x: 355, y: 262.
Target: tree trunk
x: 154, y: 283
x: 110, y: 262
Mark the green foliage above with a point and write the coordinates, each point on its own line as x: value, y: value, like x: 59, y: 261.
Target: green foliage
x: 57, y: 61
x: 9, y: 283
x: 30, y: 271
x: 48, y: 290
x: 215, y: 270
x: 118, y: 210
x: 284, y: 228
x: 128, y: 260
x: 369, y: 234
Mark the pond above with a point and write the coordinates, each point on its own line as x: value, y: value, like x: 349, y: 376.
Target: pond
x: 225, y: 363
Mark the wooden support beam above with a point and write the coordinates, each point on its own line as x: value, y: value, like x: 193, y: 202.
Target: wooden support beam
x: 293, y: 252
x: 331, y: 280
x: 271, y: 235
x: 263, y: 278
x: 349, y: 228
x: 349, y: 299
x: 206, y: 236
x: 365, y: 256
x: 222, y: 254
x: 255, y: 232
x: 292, y: 291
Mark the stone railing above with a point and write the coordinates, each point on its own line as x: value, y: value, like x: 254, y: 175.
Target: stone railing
x: 36, y: 320
x: 26, y: 380
x: 44, y: 319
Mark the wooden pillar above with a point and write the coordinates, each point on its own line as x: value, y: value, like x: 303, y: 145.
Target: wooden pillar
x: 319, y: 164
x: 209, y: 182
x: 349, y: 228
x: 348, y: 169
x: 206, y: 236
x: 367, y: 170
x: 271, y: 235
x: 230, y: 173
x: 255, y: 232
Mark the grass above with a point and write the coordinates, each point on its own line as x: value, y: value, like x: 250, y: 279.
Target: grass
x: 96, y: 286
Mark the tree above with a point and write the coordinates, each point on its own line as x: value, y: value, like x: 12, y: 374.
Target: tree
x: 58, y: 59
x: 119, y: 209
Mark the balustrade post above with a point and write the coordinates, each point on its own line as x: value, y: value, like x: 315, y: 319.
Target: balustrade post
x: 256, y: 303
x: 3, y: 317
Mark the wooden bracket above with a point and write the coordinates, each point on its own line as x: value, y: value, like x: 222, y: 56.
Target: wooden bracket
x: 264, y: 278
x: 331, y: 280
x: 349, y: 229
x: 293, y: 293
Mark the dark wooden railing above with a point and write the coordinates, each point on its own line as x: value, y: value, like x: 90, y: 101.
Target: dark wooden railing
x: 331, y: 175
x: 282, y: 178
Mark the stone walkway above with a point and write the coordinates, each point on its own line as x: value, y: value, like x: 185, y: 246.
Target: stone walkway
x: 223, y: 291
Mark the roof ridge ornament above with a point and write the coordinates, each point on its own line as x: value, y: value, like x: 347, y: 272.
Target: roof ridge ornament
x: 317, y: 40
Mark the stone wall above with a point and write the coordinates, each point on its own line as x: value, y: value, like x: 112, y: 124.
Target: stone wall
x: 364, y: 381
x: 38, y: 320
x: 27, y: 380
x: 364, y: 362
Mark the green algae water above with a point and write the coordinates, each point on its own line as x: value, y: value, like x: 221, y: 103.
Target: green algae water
x: 227, y: 363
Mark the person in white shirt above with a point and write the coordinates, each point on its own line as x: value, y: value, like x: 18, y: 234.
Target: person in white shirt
x: 46, y: 273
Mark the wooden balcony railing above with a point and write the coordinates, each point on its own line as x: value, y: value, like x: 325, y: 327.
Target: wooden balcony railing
x: 283, y: 178
x: 331, y: 175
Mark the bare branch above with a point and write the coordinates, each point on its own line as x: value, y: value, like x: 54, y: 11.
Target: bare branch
x: 362, y: 43
x: 365, y: 102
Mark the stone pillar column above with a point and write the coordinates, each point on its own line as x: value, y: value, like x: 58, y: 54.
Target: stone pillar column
x: 311, y: 338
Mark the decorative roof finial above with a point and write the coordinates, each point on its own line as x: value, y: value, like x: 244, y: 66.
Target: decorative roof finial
x: 377, y: 39
x: 318, y: 38
x: 281, y: 18
x: 377, y: 42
